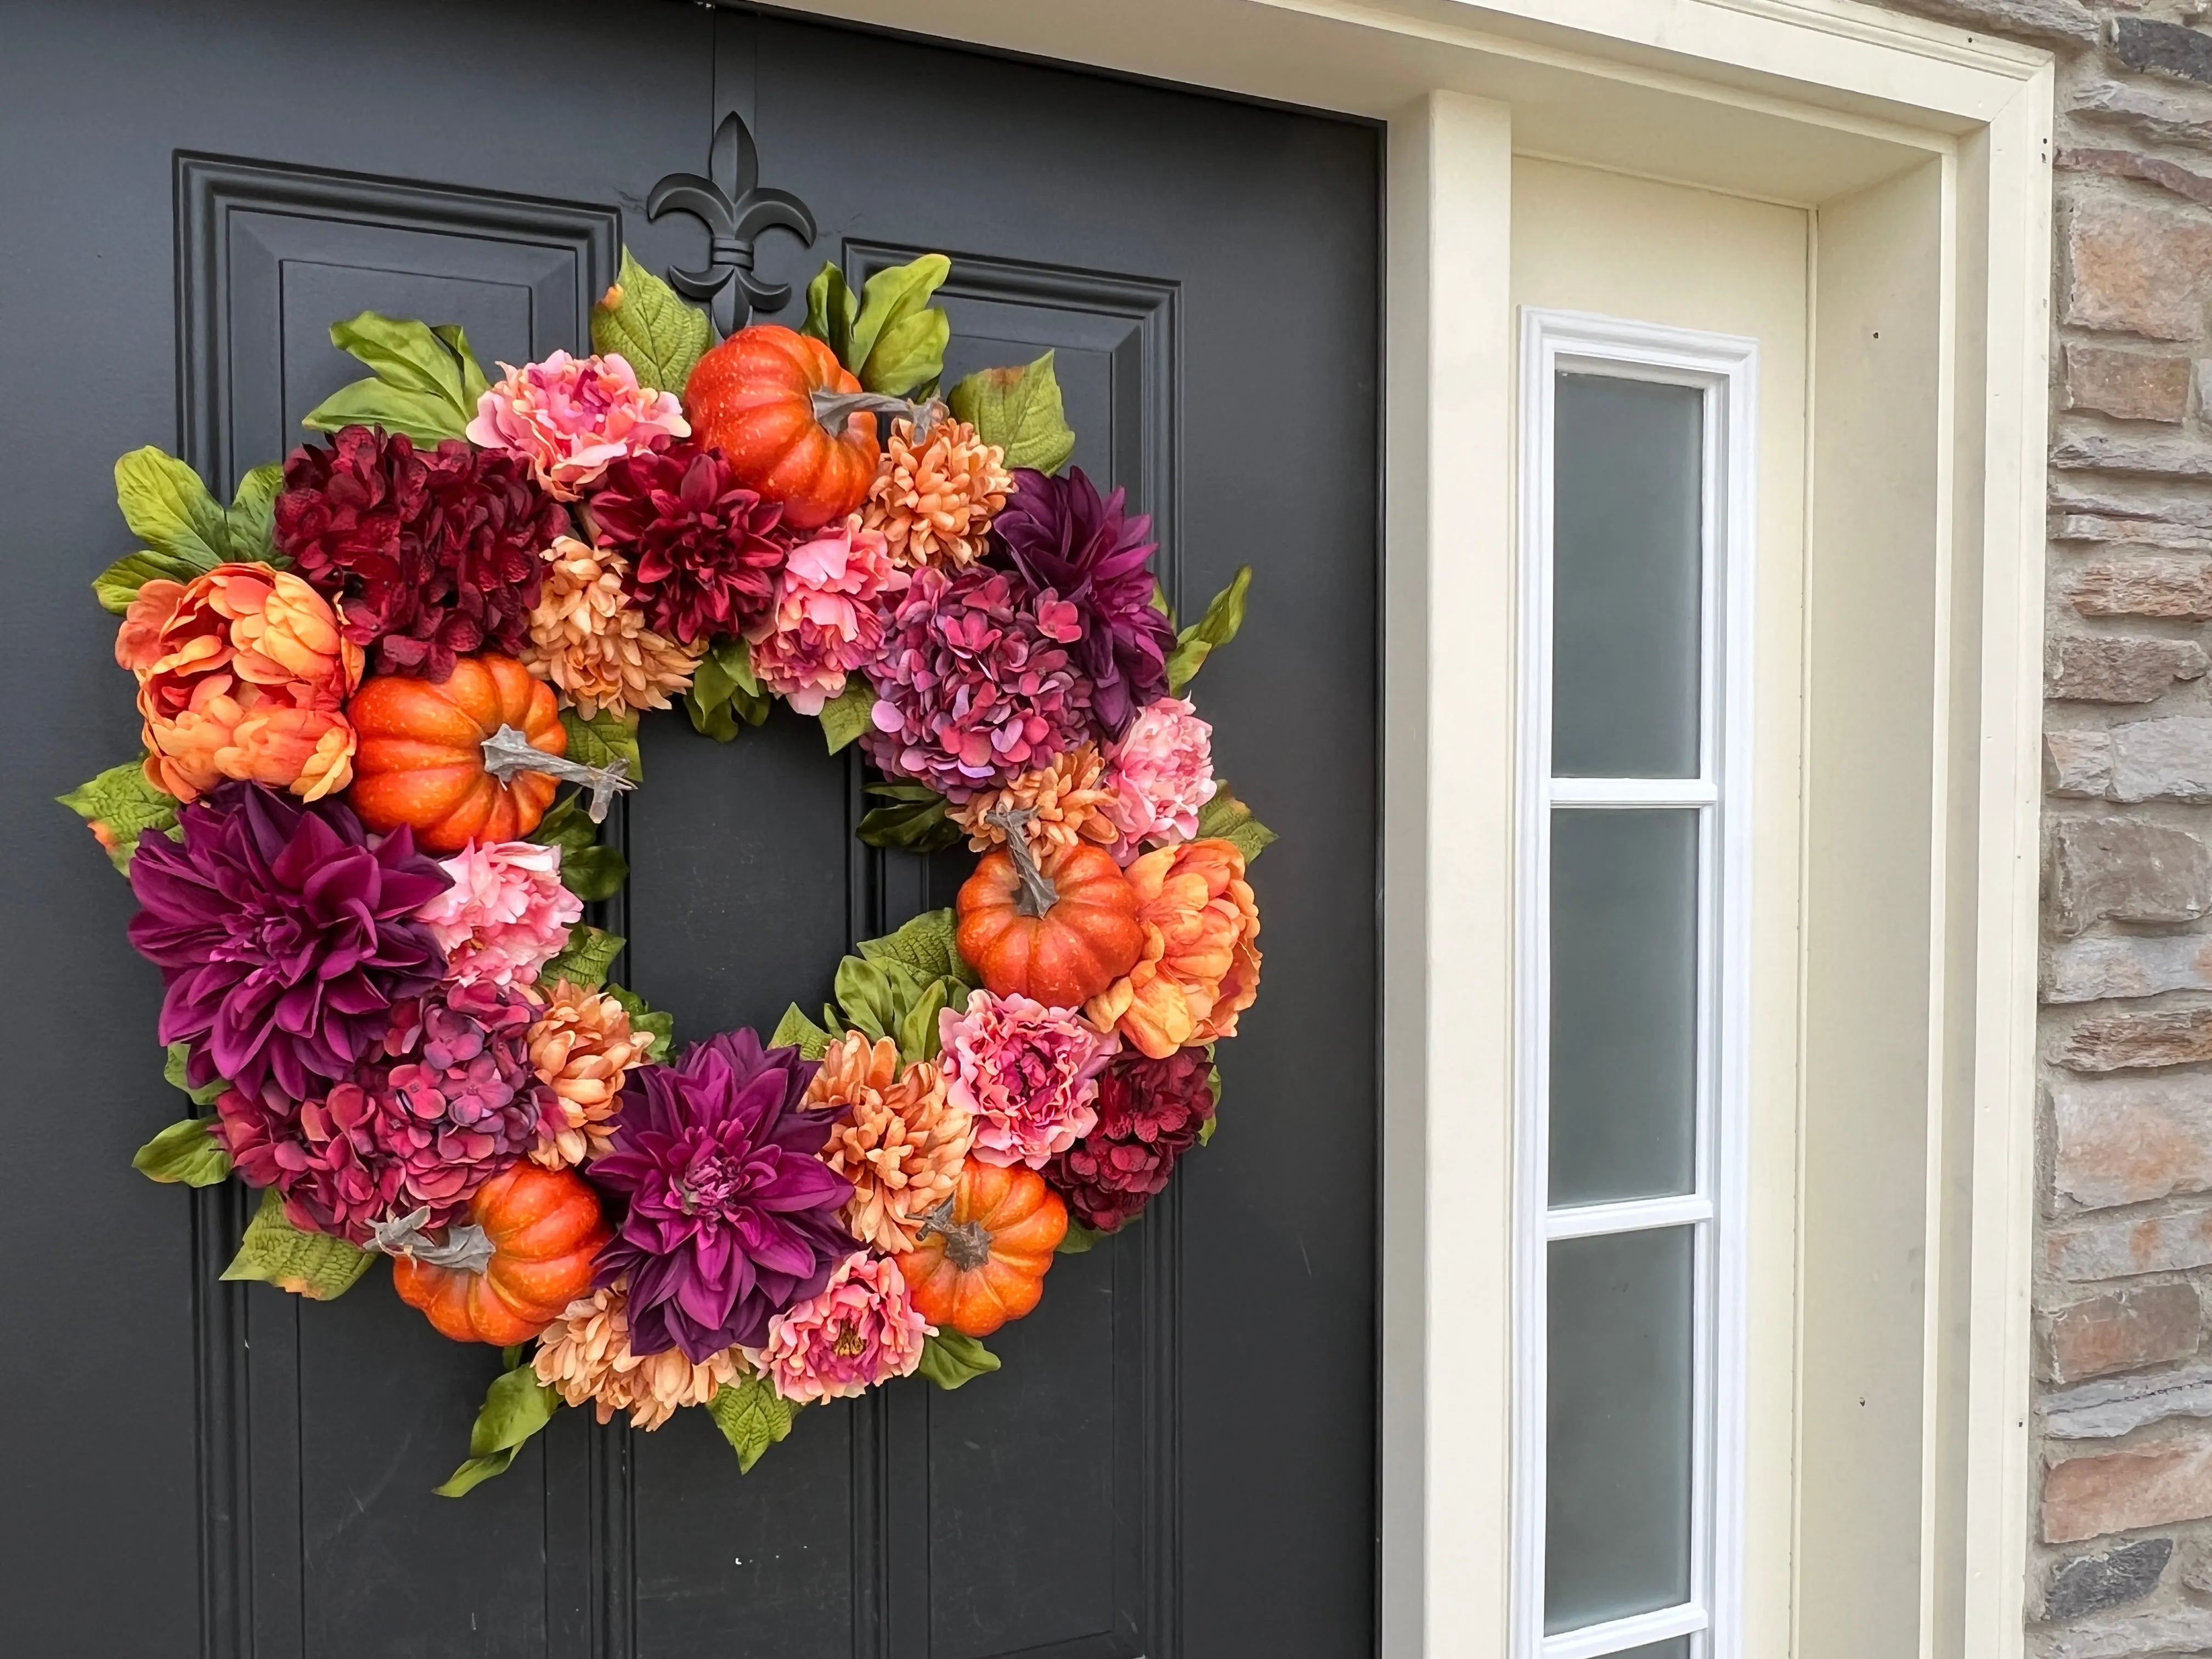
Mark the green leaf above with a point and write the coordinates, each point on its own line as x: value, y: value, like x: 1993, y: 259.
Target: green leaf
x: 908, y: 355
x: 725, y: 691
x: 312, y: 1264
x: 1212, y: 1118
x: 185, y: 1151
x: 832, y: 311
x: 845, y: 716
x: 175, y: 1069
x: 516, y: 1406
x: 250, y: 523
x: 752, y: 1417
x: 660, y: 335
x: 423, y: 381
x: 892, y: 297
x: 169, y: 509
x: 591, y: 951
x: 916, y: 822
x: 917, y: 1028
x: 644, y: 1017
x: 1206, y: 1130
x: 949, y: 1359
x: 1078, y: 1238
x: 929, y: 944
x: 874, y: 996
x: 588, y: 870
x: 1214, y: 629
x: 795, y: 1031
x: 1228, y: 817
x: 1020, y: 410
x: 121, y: 801
x: 603, y: 739
x: 117, y: 585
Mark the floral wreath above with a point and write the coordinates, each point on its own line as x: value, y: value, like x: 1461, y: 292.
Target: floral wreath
x: 388, y: 694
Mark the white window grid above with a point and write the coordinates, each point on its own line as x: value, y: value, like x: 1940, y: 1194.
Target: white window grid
x: 1724, y: 368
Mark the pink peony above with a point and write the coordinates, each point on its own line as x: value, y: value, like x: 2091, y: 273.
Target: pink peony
x: 506, y: 914
x: 861, y: 1330
x: 1158, y: 775
x: 568, y: 417
x: 1028, y: 1074
x: 825, y: 622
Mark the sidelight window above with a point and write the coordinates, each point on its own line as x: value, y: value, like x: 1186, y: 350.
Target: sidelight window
x: 1635, y: 486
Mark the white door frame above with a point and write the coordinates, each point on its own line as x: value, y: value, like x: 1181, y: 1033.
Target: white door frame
x: 1923, y: 152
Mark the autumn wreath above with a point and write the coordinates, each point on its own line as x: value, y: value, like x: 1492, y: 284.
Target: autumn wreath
x: 388, y: 694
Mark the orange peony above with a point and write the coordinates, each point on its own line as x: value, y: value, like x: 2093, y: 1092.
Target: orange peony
x: 242, y: 673
x: 1200, y: 967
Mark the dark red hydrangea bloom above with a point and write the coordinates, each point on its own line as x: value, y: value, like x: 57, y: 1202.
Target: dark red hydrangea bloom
x: 1073, y: 546
x: 732, y: 1215
x: 1150, y: 1113
x: 428, y: 555
x: 285, y: 938
x: 702, y: 550
x: 449, y: 1102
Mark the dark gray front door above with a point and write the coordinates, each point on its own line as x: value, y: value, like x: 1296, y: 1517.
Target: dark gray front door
x: 1177, y: 1458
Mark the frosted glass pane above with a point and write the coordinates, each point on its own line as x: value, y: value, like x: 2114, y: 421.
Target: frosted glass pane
x: 1623, y: 1003
x: 1617, y: 1487
x: 1626, y: 483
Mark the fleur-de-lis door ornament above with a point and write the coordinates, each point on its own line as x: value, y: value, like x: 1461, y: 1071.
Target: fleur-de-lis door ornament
x: 735, y: 210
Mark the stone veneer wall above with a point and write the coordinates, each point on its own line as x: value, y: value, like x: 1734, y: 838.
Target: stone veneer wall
x: 2121, y: 1550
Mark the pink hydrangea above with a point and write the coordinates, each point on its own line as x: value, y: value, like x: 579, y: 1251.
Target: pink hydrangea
x: 825, y: 622
x: 861, y: 1330
x: 506, y: 914
x: 568, y: 417
x: 1028, y: 1074
x: 1158, y: 775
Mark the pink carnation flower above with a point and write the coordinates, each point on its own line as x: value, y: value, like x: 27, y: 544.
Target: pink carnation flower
x: 568, y: 417
x: 825, y: 622
x: 1158, y: 775
x: 861, y: 1330
x: 506, y: 914
x: 1028, y: 1074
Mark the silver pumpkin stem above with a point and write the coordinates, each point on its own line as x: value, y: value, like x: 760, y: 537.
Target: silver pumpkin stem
x: 466, y: 1248
x: 508, y: 751
x: 1037, y: 895
x: 833, y: 408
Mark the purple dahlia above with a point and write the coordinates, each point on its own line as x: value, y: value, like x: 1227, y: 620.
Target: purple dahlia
x: 732, y: 1215
x: 450, y: 1101
x: 703, y: 557
x: 1150, y: 1113
x: 975, y: 685
x: 1072, y: 546
x: 283, y: 936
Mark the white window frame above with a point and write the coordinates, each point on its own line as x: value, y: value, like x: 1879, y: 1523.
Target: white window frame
x: 1725, y: 369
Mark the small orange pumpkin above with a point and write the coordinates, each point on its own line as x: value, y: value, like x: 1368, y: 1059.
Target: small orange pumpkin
x: 542, y: 1230
x: 1060, y: 931
x: 752, y: 397
x: 419, y: 759
x: 984, y: 1253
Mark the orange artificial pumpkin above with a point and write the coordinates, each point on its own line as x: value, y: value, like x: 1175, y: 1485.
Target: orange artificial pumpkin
x: 543, y: 1231
x: 419, y: 759
x: 983, y: 1256
x: 752, y: 397
x: 1059, y: 931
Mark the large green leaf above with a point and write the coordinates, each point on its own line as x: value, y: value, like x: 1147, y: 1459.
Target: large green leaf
x: 185, y: 1151
x: 831, y: 310
x: 660, y: 334
x: 117, y: 585
x: 590, y: 953
x: 175, y: 1072
x: 588, y: 870
x: 950, y: 1359
x: 795, y: 1031
x: 169, y: 509
x: 603, y: 739
x: 644, y: 1017
x: 725, y: 691
x: 423, y: 381
x: 121, y: 801
x: 845, y: 716
x: 918, y: 1033
x: 1078, y: 1238
x: 516, y: 1406
x: 752, y: 1417
x: 249, y: 522
x: 1229, y: 819
x: 1210, y: 632
x: 1020, y: 410
x: 898, y: 342
x: 312, y: 1264
x: 929, y: 944
x: 916, y: 821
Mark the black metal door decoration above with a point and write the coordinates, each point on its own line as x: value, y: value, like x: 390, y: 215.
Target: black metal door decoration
x: 729, y: 202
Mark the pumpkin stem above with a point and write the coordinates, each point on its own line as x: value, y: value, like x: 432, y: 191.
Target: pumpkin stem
x: 508, y: 751
x: 1037, y: 894
x: 968, y: 1243
x: 467, y: 1248
x: 834, y: 408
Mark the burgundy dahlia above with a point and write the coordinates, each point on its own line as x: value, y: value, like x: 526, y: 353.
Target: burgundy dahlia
x: 429, y: 555
x: 703, y: 557
x: 283, y: 936
x: 449, y: 1102
x: 1072, y: 546
x: 733, y: 1214
x: 1150, y: 1113
x: 975, y: 685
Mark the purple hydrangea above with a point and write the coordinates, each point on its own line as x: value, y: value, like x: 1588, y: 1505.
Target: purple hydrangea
x: 283, y: 936
x: 733, y: 1215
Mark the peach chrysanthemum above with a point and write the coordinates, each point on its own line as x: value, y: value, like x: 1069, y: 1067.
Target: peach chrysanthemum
x: 897, y: 1139
x: 582, y: 1043
x: 585, y: 1355
x: 933, y: 499
x: 589, y: 640
x: 1066, y: 801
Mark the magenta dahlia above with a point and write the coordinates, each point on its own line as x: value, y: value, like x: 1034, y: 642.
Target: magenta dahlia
x: 450, y: 1102
x: 702, y: 553
x: 1071, y: 545
x: 284, y: 938
x: 975, y: 685
x: 1150, y: 1113
x: 733, y: 1215
x: 428, y: 555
